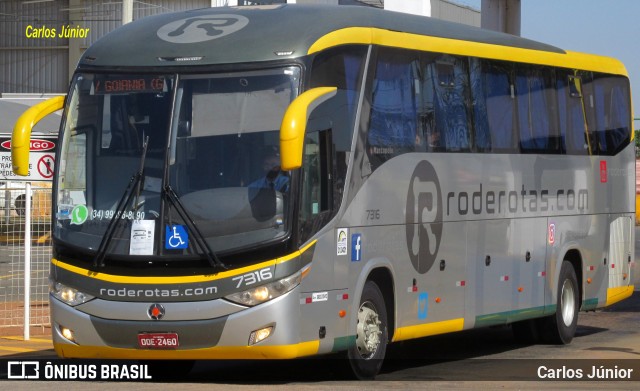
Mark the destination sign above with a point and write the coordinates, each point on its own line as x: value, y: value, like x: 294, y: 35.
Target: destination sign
x: 127, y: 84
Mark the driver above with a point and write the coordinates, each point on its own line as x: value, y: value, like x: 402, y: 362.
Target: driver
x: 274, y: 177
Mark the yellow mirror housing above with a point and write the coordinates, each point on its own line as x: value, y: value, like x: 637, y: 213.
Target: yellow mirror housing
x: 21, y: 136
x: 294, y: 125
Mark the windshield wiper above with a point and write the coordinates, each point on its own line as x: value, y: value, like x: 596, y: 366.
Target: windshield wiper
x: 171, y: 196
x: 134, y: 183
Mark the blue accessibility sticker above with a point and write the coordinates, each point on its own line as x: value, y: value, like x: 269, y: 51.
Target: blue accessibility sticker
x: 176, y: 237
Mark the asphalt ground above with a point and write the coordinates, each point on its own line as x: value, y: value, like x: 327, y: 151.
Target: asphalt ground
x: 37, y: 346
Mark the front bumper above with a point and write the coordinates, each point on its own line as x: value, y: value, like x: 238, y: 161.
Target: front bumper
x: 212, y: 329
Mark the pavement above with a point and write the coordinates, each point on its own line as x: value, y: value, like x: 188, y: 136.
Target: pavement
x: 15, y: 346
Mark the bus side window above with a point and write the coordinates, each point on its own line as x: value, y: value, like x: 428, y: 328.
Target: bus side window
x: 494, y: 105
x: 317, y: 174
x: 479, y: 90
x: 450, y: 82
x: 588, y: 106
x: 340, y: 67
x: 536, y: 119
x: 571, y: 116
x: 612, y: 114
x: 393, y: 121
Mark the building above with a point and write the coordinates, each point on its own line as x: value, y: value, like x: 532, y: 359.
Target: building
x: 42, y: 40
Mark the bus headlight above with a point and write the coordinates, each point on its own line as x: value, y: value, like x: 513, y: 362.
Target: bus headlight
x: 262, y: 293
x: 68, y: 295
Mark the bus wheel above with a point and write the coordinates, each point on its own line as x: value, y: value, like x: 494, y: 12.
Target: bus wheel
x: 561, y: 327
x: 367, y: 354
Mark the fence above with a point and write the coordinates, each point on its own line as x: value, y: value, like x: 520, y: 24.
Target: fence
x: 15, y: 274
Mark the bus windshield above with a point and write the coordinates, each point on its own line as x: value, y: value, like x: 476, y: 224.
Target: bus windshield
x: 175, y: 164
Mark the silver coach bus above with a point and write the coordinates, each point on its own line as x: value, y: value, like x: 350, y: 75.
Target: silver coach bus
x: 288, y: 181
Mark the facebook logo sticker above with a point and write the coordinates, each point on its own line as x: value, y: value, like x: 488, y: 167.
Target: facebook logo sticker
x: 356, y: 247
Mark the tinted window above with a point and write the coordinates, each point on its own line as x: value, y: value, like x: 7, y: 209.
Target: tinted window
x: 393, y: 118
x: 494, y: 106
x: 342, y: 68
x: 448, y: 78
x: 535, y: 99
x: 612, y: 113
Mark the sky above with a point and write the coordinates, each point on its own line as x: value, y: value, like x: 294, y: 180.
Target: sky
x: 604, y: 27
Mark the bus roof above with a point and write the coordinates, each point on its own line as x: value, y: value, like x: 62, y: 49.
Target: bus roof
x: 230, y: 35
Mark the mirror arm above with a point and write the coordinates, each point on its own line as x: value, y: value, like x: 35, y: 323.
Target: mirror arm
x: 294, y: 124
x: 21, y: 136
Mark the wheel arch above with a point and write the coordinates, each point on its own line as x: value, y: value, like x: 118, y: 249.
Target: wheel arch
x: 381, y: 272
x: 383, y: 278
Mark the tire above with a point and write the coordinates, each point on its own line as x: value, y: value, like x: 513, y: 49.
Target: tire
x: 560, y: 327
x: 367, y: 354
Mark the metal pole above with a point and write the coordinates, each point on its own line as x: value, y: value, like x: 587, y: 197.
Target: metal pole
x: 27, y: 260
x: 127, y: 11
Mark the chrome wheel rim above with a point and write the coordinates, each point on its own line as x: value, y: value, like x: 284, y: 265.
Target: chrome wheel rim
x: 567, y: 302
x: 368, y: 330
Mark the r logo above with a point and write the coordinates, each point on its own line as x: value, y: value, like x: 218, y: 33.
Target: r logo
x: 201, y: 28
x: 424, y: 217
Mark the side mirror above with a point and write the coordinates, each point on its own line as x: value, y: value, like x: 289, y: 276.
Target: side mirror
x: 294, y: 125
x: 21, y: 136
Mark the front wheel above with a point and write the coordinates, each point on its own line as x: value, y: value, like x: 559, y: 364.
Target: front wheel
x: 560, y: 327
x: 367, y: 354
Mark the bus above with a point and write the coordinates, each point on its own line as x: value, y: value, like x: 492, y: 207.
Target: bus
x: 433, y: 178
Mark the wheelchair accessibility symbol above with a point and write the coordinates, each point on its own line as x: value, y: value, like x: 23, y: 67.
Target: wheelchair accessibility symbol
x: 176, y: 237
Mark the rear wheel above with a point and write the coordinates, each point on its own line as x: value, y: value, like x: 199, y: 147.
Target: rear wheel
x: 560, y: 327
x: 367, y: 354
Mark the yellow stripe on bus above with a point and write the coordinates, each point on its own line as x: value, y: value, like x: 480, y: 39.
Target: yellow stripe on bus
x: 617, y: 294
x: 424, y: 330
x: 302, y: 349
x: 375, y: 36
x: 178, y: 279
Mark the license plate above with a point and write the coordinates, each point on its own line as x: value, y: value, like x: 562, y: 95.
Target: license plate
x: 158, y: 340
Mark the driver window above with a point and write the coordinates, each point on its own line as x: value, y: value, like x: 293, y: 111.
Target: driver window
x: 317, y: 174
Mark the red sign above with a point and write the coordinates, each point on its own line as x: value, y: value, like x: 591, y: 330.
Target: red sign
x: 35, y: 144
x: 603, y: 171
x: 45, y: 166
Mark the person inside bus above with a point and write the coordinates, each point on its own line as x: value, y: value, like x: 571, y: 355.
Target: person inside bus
x: 274, y: 177
x: 433, y: 140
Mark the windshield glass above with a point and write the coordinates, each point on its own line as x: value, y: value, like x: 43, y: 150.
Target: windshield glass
x: 210, y: 162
